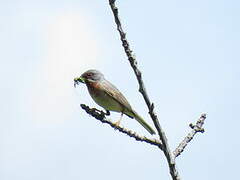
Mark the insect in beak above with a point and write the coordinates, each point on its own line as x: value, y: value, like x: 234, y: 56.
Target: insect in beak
x: 78, y: 80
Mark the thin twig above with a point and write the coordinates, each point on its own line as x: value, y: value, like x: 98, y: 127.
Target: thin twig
x: 100, y: 115
x: 195, y: 129
x: 132, y: 59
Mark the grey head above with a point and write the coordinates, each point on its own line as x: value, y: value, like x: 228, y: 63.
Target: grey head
x: 92, y: 75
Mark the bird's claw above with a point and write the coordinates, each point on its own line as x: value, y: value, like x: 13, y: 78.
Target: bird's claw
x: 117, y: 123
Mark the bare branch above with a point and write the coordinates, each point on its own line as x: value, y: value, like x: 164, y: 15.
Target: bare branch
x: 195, y: 129
x: 100, y: 115
x: 132, y: 59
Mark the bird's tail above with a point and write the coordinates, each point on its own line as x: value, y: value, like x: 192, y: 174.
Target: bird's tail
x: 143, y: 123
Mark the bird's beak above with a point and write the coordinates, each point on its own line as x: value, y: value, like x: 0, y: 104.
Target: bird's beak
x: 78, y: 79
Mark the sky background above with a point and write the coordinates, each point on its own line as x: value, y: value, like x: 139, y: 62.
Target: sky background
x: 188, y: 52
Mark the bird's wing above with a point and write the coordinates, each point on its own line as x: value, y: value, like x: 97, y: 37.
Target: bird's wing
x: 112, y: 91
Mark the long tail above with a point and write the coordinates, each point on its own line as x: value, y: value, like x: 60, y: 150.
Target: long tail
x: 143, y: 123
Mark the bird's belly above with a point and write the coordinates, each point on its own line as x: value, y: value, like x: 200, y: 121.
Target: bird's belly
x: 105, y: 101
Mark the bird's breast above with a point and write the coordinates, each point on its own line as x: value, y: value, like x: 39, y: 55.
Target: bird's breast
x: 102, y: 98
x: 93, y: 88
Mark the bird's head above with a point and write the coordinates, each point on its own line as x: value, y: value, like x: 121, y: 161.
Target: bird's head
x: 89, y: 76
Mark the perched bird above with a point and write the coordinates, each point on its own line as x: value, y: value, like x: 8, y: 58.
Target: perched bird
x: 109, y: 97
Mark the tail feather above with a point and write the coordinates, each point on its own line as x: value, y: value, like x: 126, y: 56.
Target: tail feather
x: 143, y: 123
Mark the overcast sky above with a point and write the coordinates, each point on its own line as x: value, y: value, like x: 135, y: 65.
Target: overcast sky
x: 188, y: 52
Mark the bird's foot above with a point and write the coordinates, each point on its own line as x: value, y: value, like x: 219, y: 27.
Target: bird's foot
x: 117, y: 123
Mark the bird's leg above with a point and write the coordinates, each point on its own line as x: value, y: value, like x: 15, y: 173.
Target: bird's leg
x: 118, y: 122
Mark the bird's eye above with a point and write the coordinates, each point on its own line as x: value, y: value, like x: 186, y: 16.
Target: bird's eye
x: 89, y: 75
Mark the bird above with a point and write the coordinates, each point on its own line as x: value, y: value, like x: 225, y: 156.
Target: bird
x: 106, y: 95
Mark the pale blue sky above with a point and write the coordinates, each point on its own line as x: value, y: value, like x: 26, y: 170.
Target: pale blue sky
x: 188, y: 52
